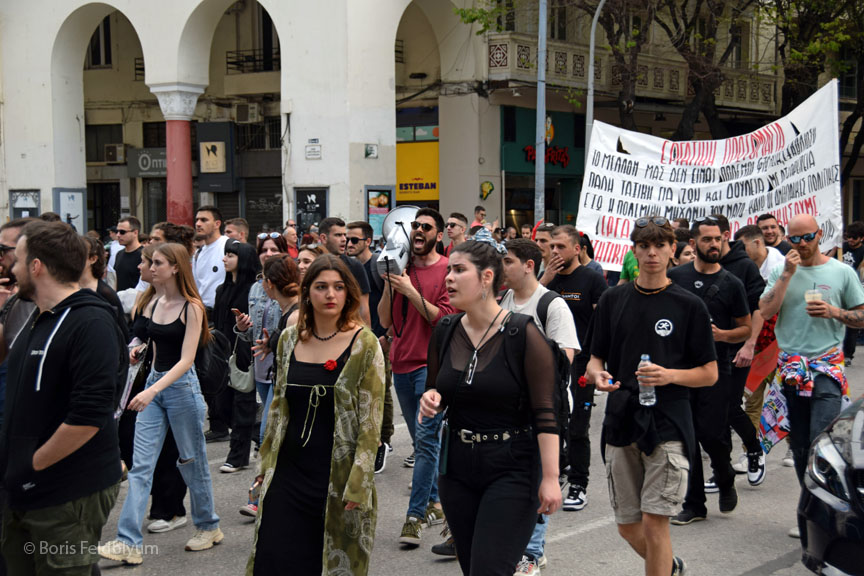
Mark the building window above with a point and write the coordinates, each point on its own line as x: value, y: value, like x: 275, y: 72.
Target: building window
x: 741, y: 45
x: 155, y: 137
x: 97, y: 136
x: 266, y: 135
x: 849, y: 77
x: 558, y: 20
x: 268, y: 40
x: 99, y: 52
x: 507, y: 17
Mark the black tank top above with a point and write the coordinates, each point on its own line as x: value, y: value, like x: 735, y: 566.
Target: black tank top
x: 168, y: 339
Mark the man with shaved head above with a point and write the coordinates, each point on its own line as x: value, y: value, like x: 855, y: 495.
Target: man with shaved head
x: 816, y: 298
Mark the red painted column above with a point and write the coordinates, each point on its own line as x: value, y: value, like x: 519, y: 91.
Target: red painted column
x: 179, y: 158
x: 177, y: 102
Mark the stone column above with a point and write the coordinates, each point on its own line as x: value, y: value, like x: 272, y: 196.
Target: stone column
x: 177, y: 102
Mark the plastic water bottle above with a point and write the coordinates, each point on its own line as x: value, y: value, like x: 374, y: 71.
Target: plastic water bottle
x: 647, y: 394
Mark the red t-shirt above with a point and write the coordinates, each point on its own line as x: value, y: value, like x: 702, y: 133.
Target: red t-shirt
x: 408, y: 352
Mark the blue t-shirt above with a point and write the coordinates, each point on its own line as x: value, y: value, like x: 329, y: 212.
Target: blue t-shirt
x: 797, y: 332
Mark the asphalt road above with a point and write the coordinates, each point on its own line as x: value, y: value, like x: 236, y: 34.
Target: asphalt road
x: 751, y: 541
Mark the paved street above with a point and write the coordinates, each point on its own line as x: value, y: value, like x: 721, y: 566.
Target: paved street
x: 752, y: 541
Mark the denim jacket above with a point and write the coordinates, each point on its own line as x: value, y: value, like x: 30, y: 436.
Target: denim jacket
x: 259, y: 302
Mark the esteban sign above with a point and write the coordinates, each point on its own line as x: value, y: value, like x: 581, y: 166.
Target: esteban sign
x: 786, y: 168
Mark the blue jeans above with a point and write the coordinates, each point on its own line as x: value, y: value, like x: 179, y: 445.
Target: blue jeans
x: 265, y: 391
x: 808, y: 416
x: 537, y: 544
x: 426, y: 437
x: 181, y: 406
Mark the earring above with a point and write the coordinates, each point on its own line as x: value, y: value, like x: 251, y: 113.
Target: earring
x: 483, y: 294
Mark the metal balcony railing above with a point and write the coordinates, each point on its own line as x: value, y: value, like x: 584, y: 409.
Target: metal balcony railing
x: 254, y: 60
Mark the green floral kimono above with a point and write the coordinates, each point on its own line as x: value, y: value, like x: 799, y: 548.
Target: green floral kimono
x: 359, y: 399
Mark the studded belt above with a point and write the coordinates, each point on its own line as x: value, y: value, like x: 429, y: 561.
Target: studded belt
x: 469, y: 437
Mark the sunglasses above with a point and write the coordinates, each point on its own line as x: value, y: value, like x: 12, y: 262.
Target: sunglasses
x: 809, y: 237
x: 122, y: 232
x: 355, y: 240
x: 4, y: 248
x: 706, y: 220
x: 453, y: 224
x: 656, y: 220
x: 266, y: 235
x: 424, y: 225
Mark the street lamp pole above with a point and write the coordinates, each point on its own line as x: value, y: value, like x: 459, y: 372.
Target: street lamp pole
x: 540, y: 145
x: 589, y: 108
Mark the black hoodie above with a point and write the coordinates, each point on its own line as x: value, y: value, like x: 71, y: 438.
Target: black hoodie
x: 63, y: 368
x: 742, y: 267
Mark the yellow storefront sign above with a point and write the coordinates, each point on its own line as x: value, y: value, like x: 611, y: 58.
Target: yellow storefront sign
x: 416, y: 171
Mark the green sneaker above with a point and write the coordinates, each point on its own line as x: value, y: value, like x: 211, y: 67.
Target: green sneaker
x: 434, y: 516
x: 411, y: 532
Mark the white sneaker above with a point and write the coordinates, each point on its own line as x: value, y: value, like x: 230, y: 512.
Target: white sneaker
x: 160, y: 526
x: 227, y: 468
x: 542, y: 561
x: 527, y: 567
x: 788, y: 459
x: 794, y: 532
x: 121, y: 552
x: 740, y: 466
x: 756, y: 468
x: 204, y: 539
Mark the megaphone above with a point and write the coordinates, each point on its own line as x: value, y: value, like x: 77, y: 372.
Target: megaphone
x: 397, y: 230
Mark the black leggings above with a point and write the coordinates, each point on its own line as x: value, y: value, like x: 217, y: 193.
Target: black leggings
x: 489, y: 494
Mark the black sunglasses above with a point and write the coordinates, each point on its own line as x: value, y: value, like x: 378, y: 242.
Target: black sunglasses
x: 266, y: 235
x: 4, y: 248
x: 122, y: 232
x: 657, y: 220
x: 424, y: 225
x: 706, y: 220
x: 809, y: 237
x: 355, y: 240
x: 453, y: 224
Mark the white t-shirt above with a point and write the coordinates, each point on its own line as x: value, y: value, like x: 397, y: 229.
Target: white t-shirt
x: 209, y: 270
x: 114, y: 248
x: 559, y: 321
x: 775, y: 258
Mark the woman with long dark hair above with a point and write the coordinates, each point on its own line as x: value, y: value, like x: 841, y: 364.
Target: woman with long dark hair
x: 263, y: 315
x: 232, y: 298
x: 177, y: 326
x: 499, y: 451
x: 318, y: 493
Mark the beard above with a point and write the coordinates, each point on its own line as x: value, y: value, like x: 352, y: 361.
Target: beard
x: 711, y: 258
x: 26, y: 289
x: 427, y: 247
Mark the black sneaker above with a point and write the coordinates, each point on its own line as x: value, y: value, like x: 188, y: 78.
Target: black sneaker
x: 381, y: 458
x: 448, y: 547
x: 687, y: 516
x: 409, y: 461
x: 576, y: 499
x: 755, y: 468
x: 711, y: 486
x: 679, y: 568
x: 728, y: 499
x: 211, y: 436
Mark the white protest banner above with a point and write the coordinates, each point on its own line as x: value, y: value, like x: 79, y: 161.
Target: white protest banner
x: 788, y: 167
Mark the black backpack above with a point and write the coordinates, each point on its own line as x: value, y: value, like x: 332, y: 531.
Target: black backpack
x: 514, y: 353
x: 211, y: 363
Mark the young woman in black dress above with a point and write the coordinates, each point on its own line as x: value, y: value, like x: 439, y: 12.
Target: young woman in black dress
x: 500, y: 453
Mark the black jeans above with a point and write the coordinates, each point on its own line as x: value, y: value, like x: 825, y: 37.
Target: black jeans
x: 738, y: 419
x: 850, y: 341
x: 243, y: 409
x: 579, y: 443
x: 168, y: 488
x: 489, y: 494
x: 809, y: 416
x: 710, y: 411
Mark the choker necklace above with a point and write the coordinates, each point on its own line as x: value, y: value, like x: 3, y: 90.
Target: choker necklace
x: 652, y: 291
x: 330, y: 337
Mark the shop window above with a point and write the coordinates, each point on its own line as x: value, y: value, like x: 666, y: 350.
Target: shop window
x: 99, y: 51
x: 509, y: 123
x: 96, y: 136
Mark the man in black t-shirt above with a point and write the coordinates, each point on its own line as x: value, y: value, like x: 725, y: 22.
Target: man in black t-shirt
x: 127, y: 260
x: 726, y: 300
x: 853, y: 254
x: 773, y: 233
x: 581, y: 289
x: 647, y: 448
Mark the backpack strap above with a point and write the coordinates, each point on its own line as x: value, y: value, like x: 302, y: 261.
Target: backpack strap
x: 444, y: 333
x: 714, y: 289
x: 543, y: 306
x: 514, y: 345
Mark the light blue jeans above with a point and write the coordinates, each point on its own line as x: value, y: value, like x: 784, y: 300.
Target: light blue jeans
x: 426, y: 437
x: 181, y: 406
x: 265, y: 391
x: 537, y: 544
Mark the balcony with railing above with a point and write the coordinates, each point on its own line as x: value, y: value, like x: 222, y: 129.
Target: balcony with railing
x: 253, y: 71
x: 513, y: 56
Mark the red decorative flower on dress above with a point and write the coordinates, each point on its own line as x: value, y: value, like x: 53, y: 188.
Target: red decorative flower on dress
x: 582, y: 382
x: 330, y: 365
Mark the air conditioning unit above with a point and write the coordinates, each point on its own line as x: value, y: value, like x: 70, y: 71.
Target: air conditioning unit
x: 247, y: 113
x: 115, y: 153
